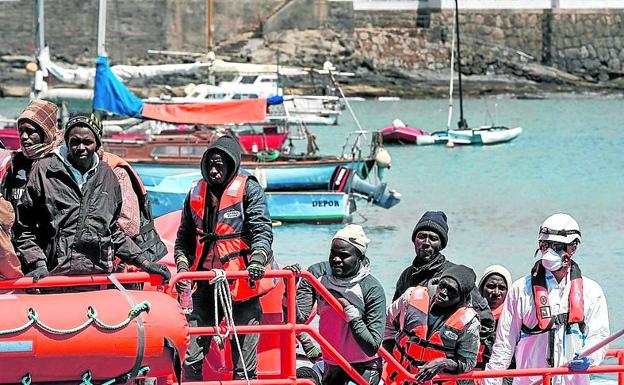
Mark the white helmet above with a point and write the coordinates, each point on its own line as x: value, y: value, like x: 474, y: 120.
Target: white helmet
x: 560, y: 228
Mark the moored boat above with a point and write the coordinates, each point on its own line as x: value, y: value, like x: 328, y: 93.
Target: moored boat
x: 285, y: 206
x: 399, y: 132
x: 486, y: 135
x: 464, y: 134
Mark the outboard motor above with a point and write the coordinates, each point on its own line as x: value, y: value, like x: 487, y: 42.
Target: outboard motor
x: 346, y: 179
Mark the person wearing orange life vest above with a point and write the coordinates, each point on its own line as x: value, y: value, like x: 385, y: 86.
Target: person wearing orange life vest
x: 430, y: 331
x: 225, y: 225
x: 493, y: 287
x: 553, y: 313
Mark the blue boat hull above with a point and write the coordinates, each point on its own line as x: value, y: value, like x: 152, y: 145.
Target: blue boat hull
x: 282, y: 178
x: 283, y: 206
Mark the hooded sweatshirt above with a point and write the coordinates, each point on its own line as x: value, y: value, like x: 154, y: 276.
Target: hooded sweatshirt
x: 257, y: 219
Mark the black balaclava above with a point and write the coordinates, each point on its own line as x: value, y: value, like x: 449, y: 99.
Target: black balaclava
x: 230, y: 147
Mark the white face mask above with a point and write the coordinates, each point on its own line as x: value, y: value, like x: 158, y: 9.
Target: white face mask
x: 551, y: 260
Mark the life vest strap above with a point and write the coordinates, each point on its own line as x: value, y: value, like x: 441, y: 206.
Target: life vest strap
x: 559, y: 319
x: 414, y: 338
x: 147, y: 228
x: 413, y: 361
x: 213, y: 237
x: 242, y: 253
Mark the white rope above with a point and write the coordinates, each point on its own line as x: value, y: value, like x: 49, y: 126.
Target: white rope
x: 224, y: 297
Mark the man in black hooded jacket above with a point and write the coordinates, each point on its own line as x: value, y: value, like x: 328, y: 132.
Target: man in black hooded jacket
x: 224, y: 217
x: 430, y: 236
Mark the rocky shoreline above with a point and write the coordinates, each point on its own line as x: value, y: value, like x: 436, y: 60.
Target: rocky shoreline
x: 537, y: 82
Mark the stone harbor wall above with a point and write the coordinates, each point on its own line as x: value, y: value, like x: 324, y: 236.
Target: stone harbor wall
x: 587, y: 43
x: 577, y: 48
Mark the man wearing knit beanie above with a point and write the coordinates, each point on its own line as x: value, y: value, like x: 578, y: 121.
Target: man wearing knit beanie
x: 464, y: 277
x: 430, y: 237
x: 433, y: 221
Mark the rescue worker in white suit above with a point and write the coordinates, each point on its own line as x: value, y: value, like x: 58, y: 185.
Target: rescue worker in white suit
x: 553, y: 313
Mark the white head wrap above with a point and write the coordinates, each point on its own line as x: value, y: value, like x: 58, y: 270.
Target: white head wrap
x: 354, y: 234
x: 495, y: 269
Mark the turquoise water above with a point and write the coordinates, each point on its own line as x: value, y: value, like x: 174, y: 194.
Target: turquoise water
x: 568, y: 159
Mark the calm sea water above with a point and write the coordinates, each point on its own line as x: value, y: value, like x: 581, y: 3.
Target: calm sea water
x: 569, y: 159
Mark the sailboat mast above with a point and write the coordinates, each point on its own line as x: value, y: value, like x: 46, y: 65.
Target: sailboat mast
x: 462, y: 124
x: 209, y: 37
x: 39, y: 27
x: 101, y: 31
x: 450, y: 109
x: 38, y: 83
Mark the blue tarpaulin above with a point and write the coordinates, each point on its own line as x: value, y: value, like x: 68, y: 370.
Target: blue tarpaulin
x: 111, y: 94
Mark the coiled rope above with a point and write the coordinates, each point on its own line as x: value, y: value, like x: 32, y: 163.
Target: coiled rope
x: 224, y: 297
x: 87, y: 378
x: 33, y: 318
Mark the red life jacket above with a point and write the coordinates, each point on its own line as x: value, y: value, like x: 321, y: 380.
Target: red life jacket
x: 229, y: 243
x: 413, y: 348
x: 545, y: 319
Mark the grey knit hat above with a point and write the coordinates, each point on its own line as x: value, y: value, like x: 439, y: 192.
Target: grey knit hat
x: 433, y: 221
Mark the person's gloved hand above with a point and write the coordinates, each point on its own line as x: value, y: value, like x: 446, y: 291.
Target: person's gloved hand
x: 157, y: 268
x: 431, y: 368
x: 580, y: 364
x: 182, y: 267
x: 256, y: 270
x: 41, y: 270
x: 295, y: 268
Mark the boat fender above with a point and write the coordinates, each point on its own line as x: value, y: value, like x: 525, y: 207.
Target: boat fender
x: 268, y: 155
x: 383, y: 158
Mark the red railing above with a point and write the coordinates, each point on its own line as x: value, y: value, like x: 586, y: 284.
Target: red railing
x: 290, y: 328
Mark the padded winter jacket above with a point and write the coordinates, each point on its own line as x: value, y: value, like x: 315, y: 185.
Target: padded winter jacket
x: 73, y: 229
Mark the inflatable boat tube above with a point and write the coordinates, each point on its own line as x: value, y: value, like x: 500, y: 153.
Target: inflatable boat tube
x: 62, y: 337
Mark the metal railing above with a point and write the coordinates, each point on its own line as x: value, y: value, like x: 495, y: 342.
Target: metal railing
x: 289, y: 329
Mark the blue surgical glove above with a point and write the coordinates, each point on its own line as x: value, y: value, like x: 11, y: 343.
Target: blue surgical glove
x: 580, y: 364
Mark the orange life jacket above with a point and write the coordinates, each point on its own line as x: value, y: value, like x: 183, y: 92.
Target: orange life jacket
x: 496, y: 312
x: 413, y: 348
x: 545, y: 319
x: 229, y: 243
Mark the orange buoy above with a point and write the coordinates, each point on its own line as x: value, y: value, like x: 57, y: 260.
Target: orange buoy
x: 61, y: 337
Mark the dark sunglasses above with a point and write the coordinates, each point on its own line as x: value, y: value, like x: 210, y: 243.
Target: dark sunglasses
x: 556, y: 246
